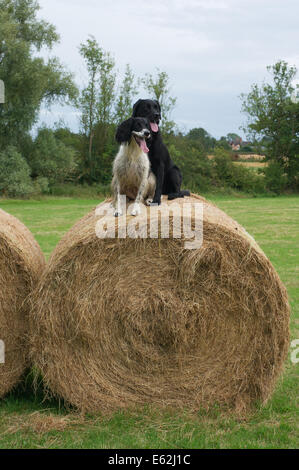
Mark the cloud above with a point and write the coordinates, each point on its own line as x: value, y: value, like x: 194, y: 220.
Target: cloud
x: 212, y: 50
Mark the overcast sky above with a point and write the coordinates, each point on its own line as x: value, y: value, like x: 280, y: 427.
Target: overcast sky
x: 212, y: 50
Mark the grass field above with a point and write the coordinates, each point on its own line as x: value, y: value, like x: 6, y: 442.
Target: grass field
x: 27, y: 422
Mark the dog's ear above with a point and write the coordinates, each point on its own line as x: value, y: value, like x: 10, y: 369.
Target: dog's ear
x: 135, y: 108
x: 156, y: 101
x: 123, y: 132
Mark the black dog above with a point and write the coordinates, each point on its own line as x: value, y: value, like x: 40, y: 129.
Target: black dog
x: 168, y: 175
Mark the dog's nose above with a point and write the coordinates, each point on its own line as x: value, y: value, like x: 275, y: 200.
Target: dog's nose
x: 146, y: 133
x: 157, y: 115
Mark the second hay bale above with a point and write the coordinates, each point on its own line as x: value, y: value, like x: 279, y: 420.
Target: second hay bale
x: 120, y: 322
x: 21, y: 264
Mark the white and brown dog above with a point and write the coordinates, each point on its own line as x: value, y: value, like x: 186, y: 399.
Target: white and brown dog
x: 132, y: 175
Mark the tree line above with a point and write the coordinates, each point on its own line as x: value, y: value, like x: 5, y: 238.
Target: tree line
x: 31, y: 164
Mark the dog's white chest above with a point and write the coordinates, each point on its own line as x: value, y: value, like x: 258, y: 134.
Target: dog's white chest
x: 136, y: 168
x: 131, y: 165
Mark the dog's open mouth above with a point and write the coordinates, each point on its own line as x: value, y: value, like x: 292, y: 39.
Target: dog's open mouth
x: 140, y: 140
x: 142, y: 144
x: 154, y: 127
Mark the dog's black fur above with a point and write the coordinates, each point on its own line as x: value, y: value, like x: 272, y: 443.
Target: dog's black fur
x: 124, y: 130
x: 168, y: 175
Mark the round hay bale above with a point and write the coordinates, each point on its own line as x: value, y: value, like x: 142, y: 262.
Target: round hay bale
x: 118, y: 322
x: 21, y: 264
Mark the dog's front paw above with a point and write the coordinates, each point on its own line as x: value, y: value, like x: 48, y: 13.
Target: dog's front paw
x: 149, y: 201
x: 156, y: 202
x: 118, y: 213
x: 136, y: 210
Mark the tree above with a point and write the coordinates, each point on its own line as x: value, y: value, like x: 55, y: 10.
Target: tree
x: 15, y: 178
x: 29, y: 80
x: 105, y: 130
x: 273, y: 119
x: 127, y: 92
x: 222, y: 143
x: 158, y: 88
x: 232, y: 137
x: 96, y: 102
x: 202, y: 137
x: 88, y: 101
x: 106, y: 90
x: 52, y: 159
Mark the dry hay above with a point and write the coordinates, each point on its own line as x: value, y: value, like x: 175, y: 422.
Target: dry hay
x: 21, y: 264
x: 252, y: 164
x: 38, y: 422
x: 248, y: 156
x: 122, y: 322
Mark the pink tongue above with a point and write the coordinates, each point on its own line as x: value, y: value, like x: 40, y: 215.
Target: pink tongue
x: 154, y: 127
x: 143, y: 146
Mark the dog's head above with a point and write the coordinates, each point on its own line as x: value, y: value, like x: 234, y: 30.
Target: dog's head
x: 136, y: 128
x: 149, y: 109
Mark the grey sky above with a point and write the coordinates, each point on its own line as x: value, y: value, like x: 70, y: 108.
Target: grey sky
x: 212, y: 50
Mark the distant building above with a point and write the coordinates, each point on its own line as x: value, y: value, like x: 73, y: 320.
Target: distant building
x: 237, y: 143
x: 235, y: 146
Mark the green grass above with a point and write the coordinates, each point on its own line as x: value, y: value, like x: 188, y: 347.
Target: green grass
x: 27, y: 422
x: 48, y: 218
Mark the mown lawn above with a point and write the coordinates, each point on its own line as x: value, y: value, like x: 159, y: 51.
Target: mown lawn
x: 27, y: 422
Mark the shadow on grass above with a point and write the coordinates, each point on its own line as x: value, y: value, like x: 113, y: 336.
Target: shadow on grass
x: 31, y: 395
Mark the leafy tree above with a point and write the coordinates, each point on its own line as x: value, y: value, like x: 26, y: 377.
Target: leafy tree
x: 29, y: 80
x: 96, y: 103
x: 222, y: 143
x: 232, y: 137
x: 52, y: 159
x: 88, y: 101
x: 201, y: 136
x: 275, y: 178
x: 106, y: 90
x: 105, y: 129
x: 41, y: 185
x: 128, y: 91
x: 158, y: 88
x: 273, y: 119
x: 68, y: 138
x: 235, y: 176
x: 192, y: 160
x: 247, y: 148
x: 197, y: 133
x: 15, y: 178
